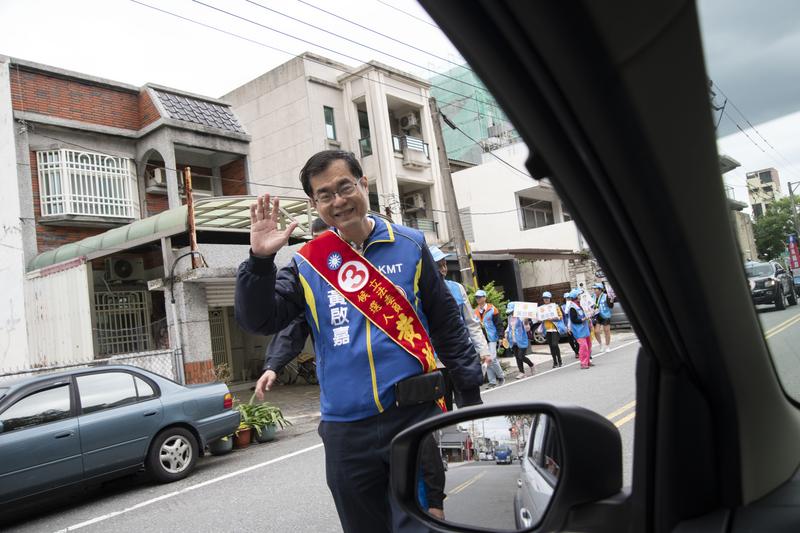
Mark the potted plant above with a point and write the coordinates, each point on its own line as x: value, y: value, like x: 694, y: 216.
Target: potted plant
x: 264, y: 418
x: 243, y: 434
x: 267, y: 418
x: 221, y: 446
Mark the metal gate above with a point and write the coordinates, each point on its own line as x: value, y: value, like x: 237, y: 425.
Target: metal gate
x: 220, y: 341
x: 122, y: 320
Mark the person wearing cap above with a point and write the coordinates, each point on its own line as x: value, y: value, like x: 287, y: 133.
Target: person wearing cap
x: 489, y: 317
x: 581, y: 327
x: 602, y: 306
x: 517, y: 341
x: 467, y: 315
x: 570, y: 337
x: 551, y: 331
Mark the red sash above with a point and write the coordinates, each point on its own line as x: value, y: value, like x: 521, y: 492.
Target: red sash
x: 369, y: 291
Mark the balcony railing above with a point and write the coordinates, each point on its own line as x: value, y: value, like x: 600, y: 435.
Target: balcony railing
x: 422, y: 224
x: 401, y: 142
x: 86, y: 183
x: 365, y: 145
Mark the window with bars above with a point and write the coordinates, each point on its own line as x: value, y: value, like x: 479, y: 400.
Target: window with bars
x: 86, y: 183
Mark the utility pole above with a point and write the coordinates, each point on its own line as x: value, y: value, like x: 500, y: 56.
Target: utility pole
x: 454, y: 220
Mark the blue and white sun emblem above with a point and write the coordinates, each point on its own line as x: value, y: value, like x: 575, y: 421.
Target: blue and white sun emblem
x: 334, y: 260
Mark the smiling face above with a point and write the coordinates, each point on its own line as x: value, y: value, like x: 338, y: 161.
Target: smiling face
x: 346, y: 212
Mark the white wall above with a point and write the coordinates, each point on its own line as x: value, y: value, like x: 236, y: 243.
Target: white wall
x: 492, y: 188
x: 545, y: 272
x: 13, y: 330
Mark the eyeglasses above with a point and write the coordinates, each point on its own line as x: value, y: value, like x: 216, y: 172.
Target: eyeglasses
x: 345, y: 190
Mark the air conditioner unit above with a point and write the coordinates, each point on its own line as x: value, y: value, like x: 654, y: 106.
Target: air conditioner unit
x: 125, y: 269
x: 497, y: 130
x: 414, y: 201
x: 409, y: 122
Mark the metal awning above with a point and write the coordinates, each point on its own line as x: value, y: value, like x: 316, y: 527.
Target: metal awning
x: 223, y: 213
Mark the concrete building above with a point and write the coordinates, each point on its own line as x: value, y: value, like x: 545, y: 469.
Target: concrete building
x: 463, y: 98
x: 763, y: 188
x: 312, y: 103
x: 514, y: 222
x: 94, y: 218
x: 741, y: 221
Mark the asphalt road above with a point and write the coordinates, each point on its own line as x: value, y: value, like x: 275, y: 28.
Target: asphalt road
x: 482, y: 494
x: 782, y: 331
x: 281, y: 486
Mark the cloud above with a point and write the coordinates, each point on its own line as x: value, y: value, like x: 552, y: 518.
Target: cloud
x: 751, y: 51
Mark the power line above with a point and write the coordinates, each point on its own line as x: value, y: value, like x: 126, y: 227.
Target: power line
x: 509, y: 165
x: 331, y: 50
x: 295, y: 54
x: 465, y: 67
x: 739, y: 127
x: 409, y: 14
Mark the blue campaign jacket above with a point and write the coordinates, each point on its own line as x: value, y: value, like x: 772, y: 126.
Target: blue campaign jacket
x: 520, y: 336
x: 357, y: 364
x: 455, y: 290
x: 580, y: 327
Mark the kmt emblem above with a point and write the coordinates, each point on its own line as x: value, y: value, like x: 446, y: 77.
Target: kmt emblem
x: 334, y: 260
x: 353, y: 276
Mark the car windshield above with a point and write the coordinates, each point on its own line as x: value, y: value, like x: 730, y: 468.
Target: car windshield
x: 758, y: 270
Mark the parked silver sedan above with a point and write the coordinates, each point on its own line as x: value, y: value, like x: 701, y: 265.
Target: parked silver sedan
x: 95, y: 423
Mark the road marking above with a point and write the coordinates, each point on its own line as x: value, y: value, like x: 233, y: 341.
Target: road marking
x: 466, y: 484
x: 188, y: 489
x: 540, y: 374
x: 621, y: 410
x: 624, y: 420
x: 782, y: 327
x: 775, y: 329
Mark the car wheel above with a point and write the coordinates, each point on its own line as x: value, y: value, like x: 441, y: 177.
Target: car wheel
x: 539, y: 338
x: 792, y: 298
x: 780, y: 300
x: 173, y: 455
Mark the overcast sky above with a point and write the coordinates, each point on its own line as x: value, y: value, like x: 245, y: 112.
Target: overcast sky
x: 751, y: 52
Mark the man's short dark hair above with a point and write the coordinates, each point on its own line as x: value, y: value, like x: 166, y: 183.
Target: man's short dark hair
x: 318, y: 226
x: 319, y: 163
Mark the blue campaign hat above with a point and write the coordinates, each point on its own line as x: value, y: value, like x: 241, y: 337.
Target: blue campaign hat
x: 437, y: 253
x: 480, y: 293
x: 599, y: 286
x: 574, y: 293
x: 510, y: 307
x: 546, y: 294
x: 566, y: 295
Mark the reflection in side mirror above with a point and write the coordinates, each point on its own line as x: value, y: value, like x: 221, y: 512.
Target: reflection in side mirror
x: 497, y: 472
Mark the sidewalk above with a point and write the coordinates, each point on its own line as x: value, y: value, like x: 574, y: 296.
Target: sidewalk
x: 300, y: 402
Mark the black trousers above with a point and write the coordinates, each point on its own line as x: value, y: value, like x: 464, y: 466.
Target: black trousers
x: 357, y: 469
x: 573, y: 343
x: 555, y: 351
x: 519, y: 355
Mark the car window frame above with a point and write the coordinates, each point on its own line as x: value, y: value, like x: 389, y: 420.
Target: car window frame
x: 79, y: 407
x: 35, y: 388
x: 548, y: 432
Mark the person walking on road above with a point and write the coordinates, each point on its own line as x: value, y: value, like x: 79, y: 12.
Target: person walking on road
x: 374, y: 300
x: 570, y: 337
x: 516, y: 339
x: 551, y: 330
x: 581, y: 328
x: 602, y: 305
x: 489, y: 317
x: 468, y: 320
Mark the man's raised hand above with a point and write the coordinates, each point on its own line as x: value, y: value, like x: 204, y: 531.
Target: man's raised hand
x: 265, y: 236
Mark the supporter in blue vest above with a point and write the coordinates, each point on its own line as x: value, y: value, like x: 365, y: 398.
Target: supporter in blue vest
x: 602, y: 305
x: 570, y: 337
x: 360, y: 367
x: 467, y: 319
x: 489, y: 317
x: 517, y: 341
x: 581, y: 327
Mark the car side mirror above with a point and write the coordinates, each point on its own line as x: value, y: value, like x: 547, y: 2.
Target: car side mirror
x: 512, y: 467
